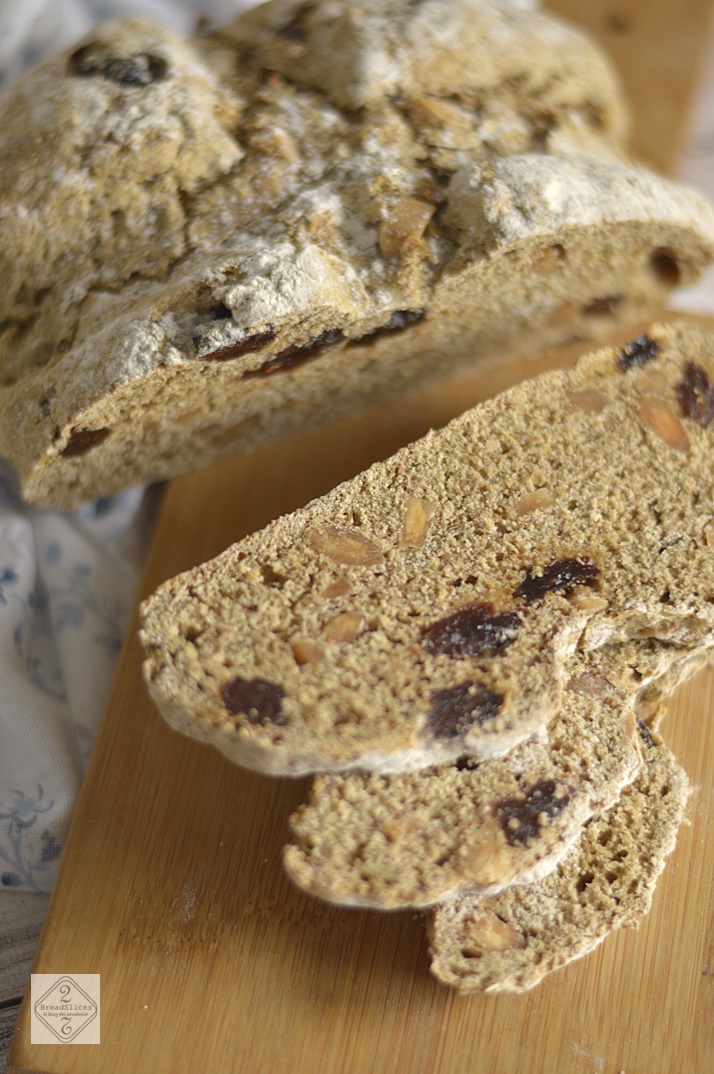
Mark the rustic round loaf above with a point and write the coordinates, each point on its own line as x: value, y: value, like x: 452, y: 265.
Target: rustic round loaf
x: 206, y: 244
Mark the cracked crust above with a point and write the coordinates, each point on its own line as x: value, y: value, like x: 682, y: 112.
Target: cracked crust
x: 509, y: 942
x: 388, y: 624
x: 242, y: 253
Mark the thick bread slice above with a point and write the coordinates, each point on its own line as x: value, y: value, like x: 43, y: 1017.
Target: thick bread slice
x: 427, y: 608
x: 412, y: 840
x: 509, y: 942
x: 220, y: 255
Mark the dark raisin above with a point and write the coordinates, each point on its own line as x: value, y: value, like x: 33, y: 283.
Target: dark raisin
x: 604, y: 306
x: 474, y: 630
x: 666, y: 266
x: 558, y: 577
x: 441, y: 176
x: 241, y: 346
x: 399, y: 320
x: 81, y: 440
x: 139, y: 70
x: 520, y: 816
x: 258, y: 699
x: 466, y: 764
x: 45, y: 408
x: 638, y: 352
x: 696, y: 394
x: 645, y: 734
x: 454, y: 711
x: 82, y: 62
x: 298, y: 353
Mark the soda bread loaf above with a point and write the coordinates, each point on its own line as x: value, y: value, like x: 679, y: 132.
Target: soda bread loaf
x: 427, y: 609
x: 210, y: 243
x: 510, y: 941
x: 417, y: 839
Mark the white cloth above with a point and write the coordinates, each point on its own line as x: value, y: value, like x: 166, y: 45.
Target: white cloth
x: 68, y: 580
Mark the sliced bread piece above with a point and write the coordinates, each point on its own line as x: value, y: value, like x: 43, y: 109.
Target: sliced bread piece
x: 426, y: 609
x: 509, y: 942
x: 412, y: 840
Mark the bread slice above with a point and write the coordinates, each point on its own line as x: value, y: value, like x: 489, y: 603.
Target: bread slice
x: 417, y: 839
x: 201, y: 253
x: 509, y: 942
x: 427, y: 609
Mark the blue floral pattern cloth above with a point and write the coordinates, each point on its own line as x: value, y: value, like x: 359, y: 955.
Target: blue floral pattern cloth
x: 67, y: 583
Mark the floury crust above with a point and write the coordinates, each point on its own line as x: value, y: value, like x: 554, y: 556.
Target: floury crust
x: 212, y: 242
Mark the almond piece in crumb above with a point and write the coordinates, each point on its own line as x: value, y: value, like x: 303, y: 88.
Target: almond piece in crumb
x: 307, y: 651
x: 533, y: 501
x: 431, y: 112
x: 487, y: 932
x: 485, y: 864
x: 590, y: 400
x: 339, y: 588
x: 416, y: 522
x: 404, y: 225
x: 345, y: 546
x: 344, y: 627
x: 590, y: 684
x: 652, y: 382
x: 658, y: 417
x: 586, y: 601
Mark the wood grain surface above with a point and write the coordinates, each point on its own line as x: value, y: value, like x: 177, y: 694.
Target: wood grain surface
x: 21, y: 916
x: 171, y: 888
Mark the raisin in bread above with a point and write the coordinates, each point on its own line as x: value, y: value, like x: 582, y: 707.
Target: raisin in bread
x: 400, y: 620
x: 510, y: 941
x: 413, y: 840
x: 206, y: 245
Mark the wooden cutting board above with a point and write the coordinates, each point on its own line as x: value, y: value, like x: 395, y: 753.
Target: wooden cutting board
x: 171, y: 889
